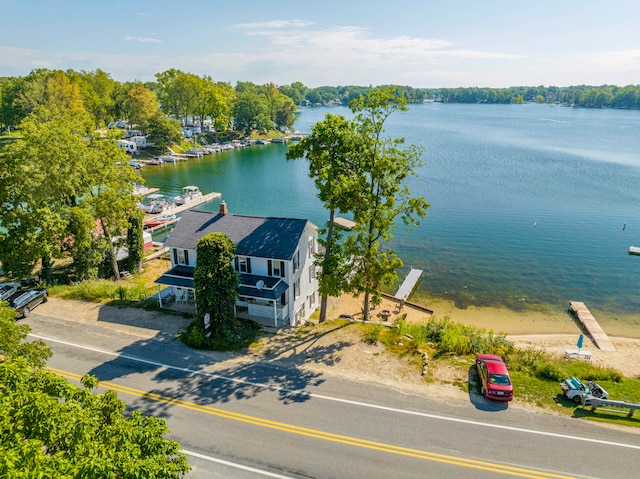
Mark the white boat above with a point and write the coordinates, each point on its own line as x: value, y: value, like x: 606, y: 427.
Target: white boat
x: 189, y: 194
x: 634, y: 250
x: 155, y: 207
x: 157, y: 204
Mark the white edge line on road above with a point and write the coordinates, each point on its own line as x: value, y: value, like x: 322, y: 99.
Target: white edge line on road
x: 336, y: 399
x: 235, y: 465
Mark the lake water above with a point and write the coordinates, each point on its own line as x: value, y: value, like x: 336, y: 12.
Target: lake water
x: 530, y: 204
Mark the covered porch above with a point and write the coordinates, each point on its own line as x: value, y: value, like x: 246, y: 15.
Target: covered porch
x: 260, y: 298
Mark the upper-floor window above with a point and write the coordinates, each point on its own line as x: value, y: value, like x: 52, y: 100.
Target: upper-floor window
x: 296, y: 261
x: 296, y: 289
x: 312, y: 272
x: 312, y: 246
x: 243, y: 264
x: 181, y: 256
x: 275, y: 268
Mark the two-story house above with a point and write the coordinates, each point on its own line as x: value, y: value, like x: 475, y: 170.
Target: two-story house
x: 274, y: 259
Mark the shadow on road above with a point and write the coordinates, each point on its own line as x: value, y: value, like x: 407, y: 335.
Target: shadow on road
x: 214, y: 378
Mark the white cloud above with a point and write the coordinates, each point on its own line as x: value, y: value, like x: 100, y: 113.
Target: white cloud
x: 130, y: 38
x: 294, y: 50
x: 612, y: 61
x: 273, y: 24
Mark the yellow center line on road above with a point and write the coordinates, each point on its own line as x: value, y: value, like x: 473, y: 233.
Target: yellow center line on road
x: 322, y: 435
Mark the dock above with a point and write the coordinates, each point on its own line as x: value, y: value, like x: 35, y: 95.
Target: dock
x: 180, y: 209
x: 345, y: 223
x: 144, y: 191
x: 589, y: 323
x: 408, y: 284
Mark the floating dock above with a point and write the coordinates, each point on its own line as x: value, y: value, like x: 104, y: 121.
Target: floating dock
x: 345, y: 223
x: 408, y: 284
x: 593, y: 329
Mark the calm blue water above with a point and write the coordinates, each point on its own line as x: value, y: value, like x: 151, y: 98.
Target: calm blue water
x: 530, y: 204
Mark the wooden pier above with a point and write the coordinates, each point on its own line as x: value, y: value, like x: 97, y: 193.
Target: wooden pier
x: 408, y: 284
x: 591, y: 326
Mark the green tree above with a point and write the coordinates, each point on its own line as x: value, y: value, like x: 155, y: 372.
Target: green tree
x: 46, y: 176
x: 83, y: 245
x: 295, y: 91
x: 383, y: 167
x: 332, y: 151
x: 251, y: 112
x: 97, y: 90
x: 179, y: 92
x: 10, y: 88
x: 52, y: 428
x: 163, y: 132
x: 54, y: 92
x: 140, y: 105
x: 135, y: 241
x: 112, y: 201
x: 12, y: 341
x: 216, y: 283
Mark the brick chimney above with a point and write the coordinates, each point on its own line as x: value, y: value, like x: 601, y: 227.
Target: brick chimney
x: 223, y: 208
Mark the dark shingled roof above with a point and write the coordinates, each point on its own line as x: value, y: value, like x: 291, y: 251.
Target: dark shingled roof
x: 275, y: 238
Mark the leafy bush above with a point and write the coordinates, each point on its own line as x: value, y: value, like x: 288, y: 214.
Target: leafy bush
x: 459, y: 339
x: 372, y: 333
x: 240, y: 337
x: 195, y: 336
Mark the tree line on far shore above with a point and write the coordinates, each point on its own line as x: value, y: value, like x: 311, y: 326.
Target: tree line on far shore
x: 585, y: 96
x: 183, y: 96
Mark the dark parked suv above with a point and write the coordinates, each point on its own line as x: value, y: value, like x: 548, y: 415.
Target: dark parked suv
x: 24, y: 301
x: 7, y: 289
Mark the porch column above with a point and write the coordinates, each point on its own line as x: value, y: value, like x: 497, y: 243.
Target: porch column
x: 275, y: 313
x: 159, y: 297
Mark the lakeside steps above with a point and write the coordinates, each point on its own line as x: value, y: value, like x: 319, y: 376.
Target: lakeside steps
x: 580, y: 311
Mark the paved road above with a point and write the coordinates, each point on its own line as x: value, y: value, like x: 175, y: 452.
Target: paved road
x: 239, y: 417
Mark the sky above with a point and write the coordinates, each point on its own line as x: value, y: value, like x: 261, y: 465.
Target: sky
x: 419, y: 43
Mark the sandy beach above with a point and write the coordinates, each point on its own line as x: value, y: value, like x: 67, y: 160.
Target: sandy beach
x: 531, y: 329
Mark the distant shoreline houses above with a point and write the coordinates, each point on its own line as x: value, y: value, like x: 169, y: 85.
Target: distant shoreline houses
x: 274, y: 259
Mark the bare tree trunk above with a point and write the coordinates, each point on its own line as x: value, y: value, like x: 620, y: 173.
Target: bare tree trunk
x: 365, y: 306
x: 112, y: 250
x: 327, y: 252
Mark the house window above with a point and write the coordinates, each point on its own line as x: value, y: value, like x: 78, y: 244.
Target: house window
x: 181, y: 256
x: 243, y: 264
x: 296, y: 289
x: 300, y: 313
x: 312, y: 300
x: 275, y: 268
x: 296, y: 261
x: 312, y: 272
x: 312, y: 245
